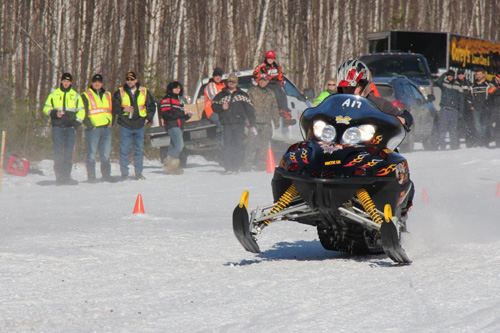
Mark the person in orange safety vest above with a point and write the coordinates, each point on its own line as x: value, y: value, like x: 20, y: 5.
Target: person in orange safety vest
x: 214, y: 86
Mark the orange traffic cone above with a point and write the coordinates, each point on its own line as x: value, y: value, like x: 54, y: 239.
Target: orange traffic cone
x: 498, y: 190
x: 271, y: 165
x: 139, y: 206
x: 425, y: 198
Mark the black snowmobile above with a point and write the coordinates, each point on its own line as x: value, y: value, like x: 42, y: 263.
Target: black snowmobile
x: 345, y: 179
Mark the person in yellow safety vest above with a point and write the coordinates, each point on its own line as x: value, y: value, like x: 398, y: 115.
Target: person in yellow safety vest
x: 65, y: 109
x: 134, y: 105
x: 98, y: 121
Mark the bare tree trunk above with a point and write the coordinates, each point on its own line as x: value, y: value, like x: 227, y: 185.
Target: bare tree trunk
x: 262, y: 30
x: 178, y: 35
x: 233, y: 57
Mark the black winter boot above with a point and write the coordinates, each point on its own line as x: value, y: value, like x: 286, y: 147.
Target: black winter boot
x: 106, y: 173
x: 91, y: 173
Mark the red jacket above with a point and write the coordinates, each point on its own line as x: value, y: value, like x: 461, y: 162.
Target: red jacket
x: 172, y: 112
x: 274, y: 72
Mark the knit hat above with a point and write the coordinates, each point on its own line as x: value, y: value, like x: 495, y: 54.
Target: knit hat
x: 131, y: 75
x: 67, y: 76
x: 232, y: 78
x: 450, y: 72
x: 461, y: 71
x: 97, y: 77
x: 218, y: 71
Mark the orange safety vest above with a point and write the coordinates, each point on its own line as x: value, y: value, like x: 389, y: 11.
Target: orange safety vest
x: 209, y: 93
x: 99, y: 111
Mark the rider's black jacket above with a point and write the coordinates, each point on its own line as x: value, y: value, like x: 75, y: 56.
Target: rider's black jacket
x: 387, y: 107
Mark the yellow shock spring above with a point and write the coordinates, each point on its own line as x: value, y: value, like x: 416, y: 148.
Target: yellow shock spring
x: 369, y: 206
x: 283, y: 202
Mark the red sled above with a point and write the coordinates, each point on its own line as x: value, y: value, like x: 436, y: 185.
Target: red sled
x: 18, y: 166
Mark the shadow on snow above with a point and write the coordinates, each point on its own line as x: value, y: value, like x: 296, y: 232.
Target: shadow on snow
x: 310, y: 251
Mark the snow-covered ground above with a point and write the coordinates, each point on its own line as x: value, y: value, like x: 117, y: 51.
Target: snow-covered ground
x: 75, y: 259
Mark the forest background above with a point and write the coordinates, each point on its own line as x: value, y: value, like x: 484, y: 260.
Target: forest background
x: 163, y: 40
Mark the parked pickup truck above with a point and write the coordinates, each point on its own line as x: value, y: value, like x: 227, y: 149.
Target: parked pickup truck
x: 200, y: 135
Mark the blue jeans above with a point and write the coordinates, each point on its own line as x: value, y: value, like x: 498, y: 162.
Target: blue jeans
x: 479, y: 123
x: 63, y: 139
x: 214, y: 119
x: 176, y: 142
x: 98, y: 139
x: 128, y: 136
x: 448, y: 120
x: 233, y: 147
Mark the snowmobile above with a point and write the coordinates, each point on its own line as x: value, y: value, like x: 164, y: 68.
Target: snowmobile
x: 345, y: 178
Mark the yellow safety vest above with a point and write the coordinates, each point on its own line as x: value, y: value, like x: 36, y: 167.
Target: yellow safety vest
x: 57, y: 99
x: 141, y: 100
x: 99, y: 111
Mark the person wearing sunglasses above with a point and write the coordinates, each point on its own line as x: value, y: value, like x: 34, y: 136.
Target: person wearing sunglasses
x: 134, y: 106
x: 331, y: 89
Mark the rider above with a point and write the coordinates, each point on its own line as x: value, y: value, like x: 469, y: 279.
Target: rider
x: 355, y: 78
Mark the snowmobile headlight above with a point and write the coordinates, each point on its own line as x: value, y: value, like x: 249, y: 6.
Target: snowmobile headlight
x: 323, y: 131
x: 351, y: 136
x: 367, y: 132
x: 354, y: 135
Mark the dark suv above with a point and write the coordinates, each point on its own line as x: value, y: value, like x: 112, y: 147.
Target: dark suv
x: 412, y: 65
x: 403, y: 93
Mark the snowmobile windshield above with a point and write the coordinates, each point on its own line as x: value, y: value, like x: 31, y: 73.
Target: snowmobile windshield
x: 346, y: 112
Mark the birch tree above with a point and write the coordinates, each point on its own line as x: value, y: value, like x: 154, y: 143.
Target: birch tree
x: 262, y: 30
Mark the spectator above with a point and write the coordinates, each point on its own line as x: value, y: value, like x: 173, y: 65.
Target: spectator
x: 265, y: 106
x: 65, y: 109
x: 234, y: 107
x: 331, y: 89
x: 450, y: 104
x: 174, y: 116
x: 214, y: 86
x: 134, y: 106
x: 98, y: 121
x: 480, y: 106
x: 495, y: 110
x: 465, y: 122
x: 276, y: 82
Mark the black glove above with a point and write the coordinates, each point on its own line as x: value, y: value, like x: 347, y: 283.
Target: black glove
x: 53, y: 114
x: 77, y: 124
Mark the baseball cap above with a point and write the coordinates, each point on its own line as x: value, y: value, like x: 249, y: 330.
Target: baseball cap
x: 67, y: 76
x: 232, y: 78
x: 97, y: 77
x: 131, y: 75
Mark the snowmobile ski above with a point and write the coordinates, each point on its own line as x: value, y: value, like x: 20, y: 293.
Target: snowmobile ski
x: 391, y: 243
x: 241, y: 226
